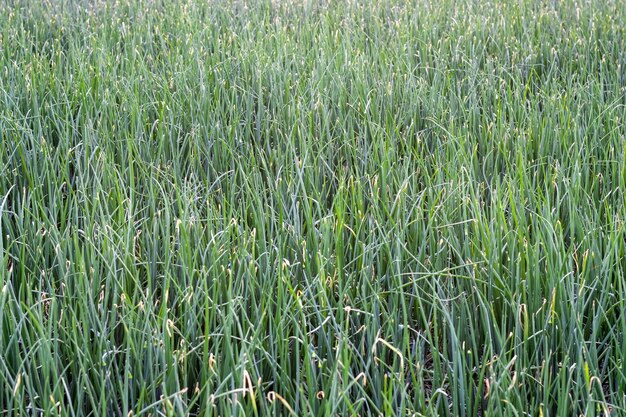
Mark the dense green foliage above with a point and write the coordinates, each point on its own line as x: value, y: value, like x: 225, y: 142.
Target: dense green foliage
x: 333, y: 208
